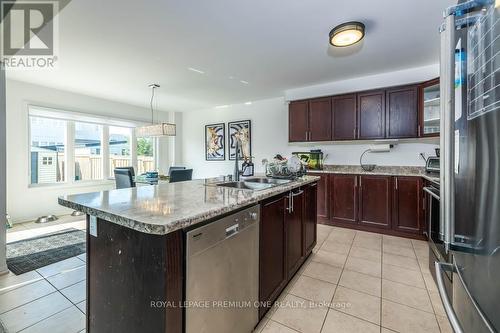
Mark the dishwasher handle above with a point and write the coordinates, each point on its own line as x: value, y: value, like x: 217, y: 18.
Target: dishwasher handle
x: 232, y: 230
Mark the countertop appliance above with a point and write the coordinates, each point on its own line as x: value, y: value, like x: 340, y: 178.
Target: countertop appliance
x: 470, y: 164
x: 432, y: 164
x: 314, y: 159
x: 222, y: 271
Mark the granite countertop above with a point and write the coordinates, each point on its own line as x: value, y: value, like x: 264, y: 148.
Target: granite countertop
x: 380, y: 170
x: 161, y: 209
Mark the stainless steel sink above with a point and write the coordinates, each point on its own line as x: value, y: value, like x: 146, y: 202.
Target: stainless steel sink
x: 263, y: 180
x: 246, y: 186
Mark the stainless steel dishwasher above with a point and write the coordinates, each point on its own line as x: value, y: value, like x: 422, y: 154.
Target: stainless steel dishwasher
x: 223, y: 274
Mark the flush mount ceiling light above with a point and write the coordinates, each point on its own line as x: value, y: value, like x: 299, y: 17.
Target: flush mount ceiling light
x: 155, y: 130
x: 346, y: 34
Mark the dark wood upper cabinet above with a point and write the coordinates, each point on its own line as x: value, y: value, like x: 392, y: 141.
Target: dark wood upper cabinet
x: 375, y: 194
x: 344, y: 117
x: 272, y: 265
x: 320, y: 120
x: 344, y: 201
x: 298, y: 121
x: 371, y: 115
x: 429, y: 105
x: 402, y: 112
x: 323, y: 198
x: 310, y: 217
x: 294, y: 253
x: 407, y: 205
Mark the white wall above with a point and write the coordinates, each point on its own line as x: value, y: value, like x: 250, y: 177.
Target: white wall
x: 270, y: 130
x: 25, y: 203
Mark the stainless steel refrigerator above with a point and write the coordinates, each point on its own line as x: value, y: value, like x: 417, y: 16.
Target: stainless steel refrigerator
x: 470, y: 171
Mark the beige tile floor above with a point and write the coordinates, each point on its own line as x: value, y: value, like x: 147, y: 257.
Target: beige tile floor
x: 360, y: 282
x: 353, y: 282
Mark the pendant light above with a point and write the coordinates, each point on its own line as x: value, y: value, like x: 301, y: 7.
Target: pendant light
x: 347, y: 34
x: 155, y: 130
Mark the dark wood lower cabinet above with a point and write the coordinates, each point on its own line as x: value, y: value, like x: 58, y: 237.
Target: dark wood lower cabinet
x: 407, y: 205
x: 294, y: 231
x: 323, y: 201
x: 344, y: 201
x: 375, y: 201
x: 310, y: 217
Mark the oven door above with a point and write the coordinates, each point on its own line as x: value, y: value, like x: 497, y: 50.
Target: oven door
x: 434, y: 224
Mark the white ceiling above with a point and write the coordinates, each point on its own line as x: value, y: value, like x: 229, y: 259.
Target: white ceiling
x: 114, y: 48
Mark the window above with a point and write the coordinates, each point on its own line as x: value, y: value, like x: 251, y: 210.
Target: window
x: 145, y: 155
x: 119, y: 147
x: 88, y: 159
x: 47, y: 161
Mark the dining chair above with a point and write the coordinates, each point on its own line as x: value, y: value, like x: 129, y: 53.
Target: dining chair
x: 172, y: 168
x: 181, y: 175
x: 124, y: 177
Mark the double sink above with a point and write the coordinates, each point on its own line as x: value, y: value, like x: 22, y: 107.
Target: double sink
x: 255, y: 184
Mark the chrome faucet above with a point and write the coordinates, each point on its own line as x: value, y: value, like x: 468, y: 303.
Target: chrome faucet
x: 237, y: 172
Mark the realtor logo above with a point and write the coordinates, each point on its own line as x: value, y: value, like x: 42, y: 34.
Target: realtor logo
x: 28, y: 32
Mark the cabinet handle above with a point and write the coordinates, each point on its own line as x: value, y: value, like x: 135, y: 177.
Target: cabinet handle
x: 297, y: 193
x: 396, y: 183
x: 356, y: 181
x: 290, y: 204
x: 418, y: 130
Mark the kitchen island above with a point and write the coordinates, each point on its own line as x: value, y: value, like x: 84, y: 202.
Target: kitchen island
x: 136, y: 246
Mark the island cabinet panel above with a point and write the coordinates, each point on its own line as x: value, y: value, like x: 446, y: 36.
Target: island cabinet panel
x: 320, y: 120
x: 402, y: 112
x: 344, y: 198
x: 371, y: 115
x: 344, y: 117
x: 375, y: 201
x: 323, y: 200
x: 272, y: 265
x: 294, y: 231
x: 407, y: 213
x: 149, y: 267
x: 310, y: 217
x: 298, y: 121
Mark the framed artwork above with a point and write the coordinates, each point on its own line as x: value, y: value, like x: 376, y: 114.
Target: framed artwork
x: 242, y: 131
x: 215, y: 137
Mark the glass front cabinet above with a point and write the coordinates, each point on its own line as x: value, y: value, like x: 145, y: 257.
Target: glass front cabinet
x: 430, y: 108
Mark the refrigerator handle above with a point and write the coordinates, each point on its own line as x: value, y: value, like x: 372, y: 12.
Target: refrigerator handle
x: 447, y: 137
x: 440, y: 268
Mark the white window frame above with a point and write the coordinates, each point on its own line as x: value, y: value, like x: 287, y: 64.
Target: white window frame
x: 71, y: 117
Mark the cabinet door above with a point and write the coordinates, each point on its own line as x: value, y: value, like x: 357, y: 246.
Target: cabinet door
x: 371, y: 115
x: 430, y: 113
x: 322, y: 194
x: 375, y: 201
x: 320, y: 120
x: 294, y: 218
x: 402, y: 112
x: 344, y: 201
x: 407, y: 211
x: 344, y: 117
x: 298, y: 127
x: 272, y: 265
x: 310, y: 217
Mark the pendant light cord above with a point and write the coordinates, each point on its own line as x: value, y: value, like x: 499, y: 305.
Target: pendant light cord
x: 151, y: 104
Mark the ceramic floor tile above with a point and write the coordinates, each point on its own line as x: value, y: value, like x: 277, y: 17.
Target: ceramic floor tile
x: 364, y: 266
x: 424, y: 265
x: 69, y: 320
x: 323, y: 272
x: 401, y: 261
x: 430, y: 284
x: 404, y: 319
x: 397, y: 241
x: 82, y: 306
x: 329, y: 258
x: 444, y: 324
x: 404, y: 294
x: 367, y: 254
x: 260, y: 326
x: 361, y: 282
x: 298, y: 314
x: 357, y: 304
x: 60, y: 266
x: 68, y: 277
x: 368, y: 243
x: 437, y: 304
x: 366, y: 234
x: 11, y: 281
x: 275, y: 327
x: 24, y: 295
x: 31, y: 313
x: 75, y: 293
x: 398, y: 250
x: 18, y: 235
x: 313, y: 289
x: 337, y: 322
x: 335, y: 247
x: 341, y: 237
x: 401, y: 275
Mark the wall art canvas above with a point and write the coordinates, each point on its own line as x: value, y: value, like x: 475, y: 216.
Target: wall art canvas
x: 215, y: 136
x: 240, y: 130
